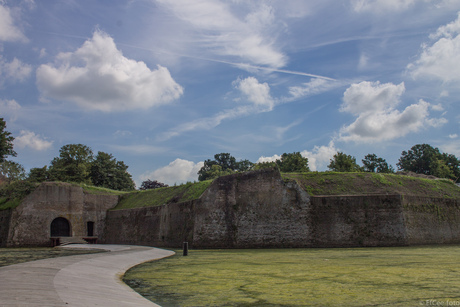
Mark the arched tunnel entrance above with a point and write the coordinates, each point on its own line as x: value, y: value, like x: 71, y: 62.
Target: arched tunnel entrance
x: 60, y: 227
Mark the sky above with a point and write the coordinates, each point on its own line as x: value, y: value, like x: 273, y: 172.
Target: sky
x: 163, y: 85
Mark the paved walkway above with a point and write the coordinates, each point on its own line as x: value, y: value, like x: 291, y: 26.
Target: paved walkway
x: 83, y: 280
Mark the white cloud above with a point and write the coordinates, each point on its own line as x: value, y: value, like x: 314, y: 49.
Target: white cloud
x: 315, y: 86
x: 382, y: 6
x: 178, y: 171
x: 107, y: 80
x: 14, y: 70
x: 9, y: 107
x: 255, y: 92
x: 441, y: 60
x: 437, y: 107
x: 371, y: 97
x: 374, y: 104
x: 251, y: 39
x: 8, y: 30
x: 31, y: 140
x: 319, y: 158
x: 453, y: 136
x: 258, y: 94
x: 268, y: 159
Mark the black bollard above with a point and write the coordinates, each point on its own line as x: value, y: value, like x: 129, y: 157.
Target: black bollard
x: 185, y: 249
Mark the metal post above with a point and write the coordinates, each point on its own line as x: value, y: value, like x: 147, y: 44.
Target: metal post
x: 185, y: 248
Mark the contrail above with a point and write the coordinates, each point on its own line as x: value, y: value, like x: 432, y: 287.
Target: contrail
x: 240, y: 65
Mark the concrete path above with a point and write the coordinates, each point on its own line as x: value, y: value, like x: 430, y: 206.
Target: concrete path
x: 82, y: 280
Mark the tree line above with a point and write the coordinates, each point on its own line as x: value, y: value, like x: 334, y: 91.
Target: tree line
x: 420, y: 159
x: 75, y: 163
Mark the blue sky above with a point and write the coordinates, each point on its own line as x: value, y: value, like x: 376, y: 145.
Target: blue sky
x: 163, y: 85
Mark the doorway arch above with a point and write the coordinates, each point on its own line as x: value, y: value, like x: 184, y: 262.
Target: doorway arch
x: 60, y: 227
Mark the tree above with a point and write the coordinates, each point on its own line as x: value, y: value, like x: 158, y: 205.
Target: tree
x: 263, y: 165
x: 292, y: 162
x: 419, y: 159
x: 73, y: 164
x: 6, y: 142
x: 39, y: 174
x: 107, y: 172
x: 374, y: 164
x: 223, y: 164
x: 12, y: 171
x: 428, y: 160
x: 149, y: 185
x: 343, y: 163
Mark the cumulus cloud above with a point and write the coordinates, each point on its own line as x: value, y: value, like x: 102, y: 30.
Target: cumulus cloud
x: 8, y: 30
x: 32, y: 140
x: 319, y: 158
x: 441, y: 60
x: 374, y: 104
x: 178, y: 171
x: 251, y: 38
x: 14, y: 70
x: 256, y: 92
x: 268, y: 159
x: 97, y: 76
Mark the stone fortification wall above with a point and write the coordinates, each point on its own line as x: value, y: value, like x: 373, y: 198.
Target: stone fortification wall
x: 431, y: 220
x: 162, y: 226
x: 5, y: 217
x: 343, y: 221
x: 258, y: 209
x: 30, y: 221
x: 253, y: 209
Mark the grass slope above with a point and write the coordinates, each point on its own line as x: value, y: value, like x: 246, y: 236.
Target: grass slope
x: 161, y: 196
x: 331, y: 183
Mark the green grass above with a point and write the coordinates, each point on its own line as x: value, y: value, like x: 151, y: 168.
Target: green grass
x: 12, y: 194
x: 161, y: 196
x: 402, y: 276
x: 332, y: 183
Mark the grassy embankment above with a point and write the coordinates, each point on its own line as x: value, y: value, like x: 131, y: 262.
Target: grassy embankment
x: 315, y: 183
x: 157, y: 197
x: 402, y: 276
x: 331, y: 183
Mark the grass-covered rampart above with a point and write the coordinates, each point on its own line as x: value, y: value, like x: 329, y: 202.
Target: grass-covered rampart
x: 160, y: 196
x: 331, y: 183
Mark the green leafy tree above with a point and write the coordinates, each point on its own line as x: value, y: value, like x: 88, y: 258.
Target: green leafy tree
x: 107, y: 172
x: 374, y: 164
x: 73, y: 164
x: 6, y: 142
x: 227, y: 165
x: 263, y: 165
x: 428, y: 160
x: 419, y: 159
x: 39, y: 174
x: 12, y: 171
x: 342, y: 162
x: 293, y: 162
x: 150, y: 185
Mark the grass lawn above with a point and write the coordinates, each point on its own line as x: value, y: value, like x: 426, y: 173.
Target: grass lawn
x: 402, y: 276
x: 10, y: 256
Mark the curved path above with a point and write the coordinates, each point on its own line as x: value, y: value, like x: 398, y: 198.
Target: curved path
x: 83, y: 280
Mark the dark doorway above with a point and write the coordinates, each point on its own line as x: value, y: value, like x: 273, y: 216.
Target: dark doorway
x: 60, y: 227
x: 90, y: 228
